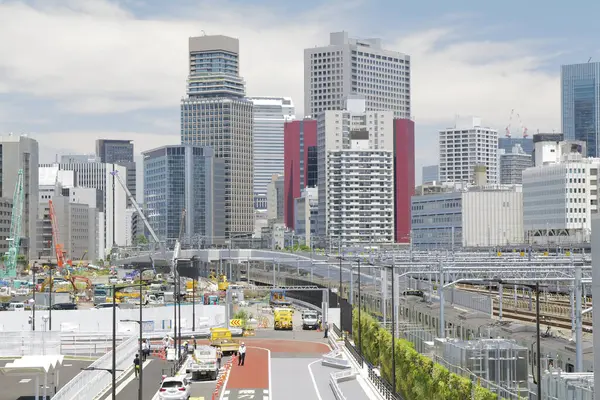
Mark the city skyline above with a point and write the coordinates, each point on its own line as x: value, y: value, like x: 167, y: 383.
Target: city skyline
x: 126, y: 106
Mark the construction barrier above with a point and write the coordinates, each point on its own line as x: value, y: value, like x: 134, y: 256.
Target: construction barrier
x: 222, y: 378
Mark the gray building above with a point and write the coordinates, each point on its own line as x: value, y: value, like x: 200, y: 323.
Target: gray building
x: 78, y: 158
x: 275, y: 198
x: 185, y: 177
x: 119, y: 152
x: 22, y: 152
x: 349, y: 66
x: 5, y: 220
x: 513, y: 164
x: 507, y: 144
x: 430, y: 173
x: 580, y: 91
x: 216, y: 114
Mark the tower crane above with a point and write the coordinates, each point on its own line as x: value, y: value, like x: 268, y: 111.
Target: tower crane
x: 58, y: 247
x: 523, y: 127
x: 507, y: 129
x: 162, y: 248
x: 10, y: 266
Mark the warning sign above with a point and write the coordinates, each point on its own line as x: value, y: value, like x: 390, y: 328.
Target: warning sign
x: 235, y: 322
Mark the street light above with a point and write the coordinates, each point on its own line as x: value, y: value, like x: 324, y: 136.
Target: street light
x: 393, y: 332
x: 359, y: 307
x: 33, y: 268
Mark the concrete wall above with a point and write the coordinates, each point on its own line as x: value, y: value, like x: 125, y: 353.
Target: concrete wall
x: 101, y: 320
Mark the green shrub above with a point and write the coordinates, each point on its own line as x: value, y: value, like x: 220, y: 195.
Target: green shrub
x: 417, y: 376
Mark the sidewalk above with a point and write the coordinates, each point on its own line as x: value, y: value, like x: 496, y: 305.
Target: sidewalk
x: 363, y: 372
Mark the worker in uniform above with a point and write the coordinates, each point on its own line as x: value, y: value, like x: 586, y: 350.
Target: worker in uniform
x: 194, y: 343
x: 241, y: 354
x: 219, y: 356
x: 136, y: 365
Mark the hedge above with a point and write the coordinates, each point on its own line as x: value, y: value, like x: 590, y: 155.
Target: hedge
x: 417, y: 377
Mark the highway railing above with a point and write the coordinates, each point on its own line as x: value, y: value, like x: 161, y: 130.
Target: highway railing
x: 354, y: 352
x: 88, y: 384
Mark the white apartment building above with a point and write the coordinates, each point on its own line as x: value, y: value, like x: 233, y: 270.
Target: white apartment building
x: 306, y: 211
x: 465, y: 146
x: 275, y: 198
x: 270, y: 114
x: 349, y: 66
x: 355, y: 174
x: 467, y: 216
x: 561, y: 194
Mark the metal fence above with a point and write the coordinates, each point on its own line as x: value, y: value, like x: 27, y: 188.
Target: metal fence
x: 88, y: 384
x: 30, y: 343
x: 354, y: 351
x: 382, y: 386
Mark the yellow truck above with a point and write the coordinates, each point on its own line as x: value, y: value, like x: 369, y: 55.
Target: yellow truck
x: 221, y: 338
x: 283, y: 318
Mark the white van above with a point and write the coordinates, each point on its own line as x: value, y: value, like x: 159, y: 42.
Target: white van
x: 16, y: 307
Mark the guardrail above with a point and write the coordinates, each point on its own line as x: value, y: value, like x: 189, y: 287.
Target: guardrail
x: 88, y: 384
x: 382, y: 386
x: 335, y: 359
x: 353, y: 351
x: 341, y: 376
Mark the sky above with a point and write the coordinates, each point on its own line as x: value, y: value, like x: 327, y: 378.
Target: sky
x: 73, y: 71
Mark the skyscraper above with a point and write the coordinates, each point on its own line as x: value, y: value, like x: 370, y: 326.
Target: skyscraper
x: 356, y: 66
x: 580, y: 89
x: 119, y: 152
x: 185, y: 177
x: 216, y: 114
x: 270, y: 114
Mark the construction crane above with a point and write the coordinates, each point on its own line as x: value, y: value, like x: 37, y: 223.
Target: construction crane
x: 508, y: 132
x: 523, y: 127
x: 507, y: 129
x: 58, y: 247
x: 177, y: 248
x: 14, y: 239
x: 162, y: 248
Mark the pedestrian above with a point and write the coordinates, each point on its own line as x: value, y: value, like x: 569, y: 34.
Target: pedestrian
x: 136, y: 365
x: 195, y: 343
x: 241, y: 354
x: 147, y: 349
x: 219, y: 356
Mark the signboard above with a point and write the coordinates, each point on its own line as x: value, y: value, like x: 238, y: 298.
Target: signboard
x: 235, y: 322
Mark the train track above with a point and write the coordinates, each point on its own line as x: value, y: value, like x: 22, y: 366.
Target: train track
x: 545, y: 319
x: 562, y: 303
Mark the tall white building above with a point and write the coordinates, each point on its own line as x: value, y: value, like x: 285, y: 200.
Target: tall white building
x: 355, y: 174
x: 306, y: 212
x: 350, y: 66
x: 270, y: 114
x: 561, y: 194
x: 466, y: 145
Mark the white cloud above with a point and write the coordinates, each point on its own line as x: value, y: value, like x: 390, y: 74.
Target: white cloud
x: 95, y: 57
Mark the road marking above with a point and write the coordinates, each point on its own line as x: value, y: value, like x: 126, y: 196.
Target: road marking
x: 67, y: 365
x: 312, y: 377
x: 25, y: 381
x: 129, y: 379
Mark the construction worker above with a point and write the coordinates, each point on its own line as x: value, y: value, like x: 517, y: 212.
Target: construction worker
x: 136, y: 365
x: 242, y: 354
x: 219, y: 356
x: 195, y: 343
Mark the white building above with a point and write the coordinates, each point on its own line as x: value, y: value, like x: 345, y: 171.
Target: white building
x: 561, y: 194
x: 306, y: 211
x: 475, y: 216
x: 350, y: 66
x: 275, y: 197
x: 464, y: 146
x: 98, y: 176
x: 355, y: 173
x: 270, y: 114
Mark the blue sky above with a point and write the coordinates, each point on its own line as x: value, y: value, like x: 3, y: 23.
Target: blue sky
x: 73, y: 71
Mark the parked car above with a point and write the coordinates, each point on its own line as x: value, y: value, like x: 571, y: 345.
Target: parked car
x: 64, y: 306
x: 175, y: 388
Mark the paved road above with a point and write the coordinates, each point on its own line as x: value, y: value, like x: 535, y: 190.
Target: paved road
x: 247, y: 394
x: 23, y: 387
x: 296, y: 385
x: 204, y: 389
x: 153, y: 371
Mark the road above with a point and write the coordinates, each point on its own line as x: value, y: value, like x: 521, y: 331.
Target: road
x: 23, y: 387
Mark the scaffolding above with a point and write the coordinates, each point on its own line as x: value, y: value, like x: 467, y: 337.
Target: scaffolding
x: 558, y: 385
x: 498, y: 364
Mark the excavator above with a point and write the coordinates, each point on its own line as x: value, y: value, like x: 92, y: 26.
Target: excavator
x: 67, y: 284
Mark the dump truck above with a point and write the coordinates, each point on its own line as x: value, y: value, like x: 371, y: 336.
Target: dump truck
x: 221, y: 338
x: 203, y: 363
x: 283, y: 319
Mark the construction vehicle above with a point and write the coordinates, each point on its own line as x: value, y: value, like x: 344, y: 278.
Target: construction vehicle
x: 221, y: 338
x: 14, y: 238
x: 211, y: 299
x: 278, y: 299
x: 203, y: 363
x: 58, y: 247
x: 223, y: 284
x: 283, y: 319
x: 310, y: 320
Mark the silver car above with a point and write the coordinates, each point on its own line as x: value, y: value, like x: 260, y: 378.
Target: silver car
x: 175, y: 389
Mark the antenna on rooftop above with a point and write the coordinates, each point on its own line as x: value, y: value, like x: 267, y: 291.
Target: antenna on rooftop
x: 589, y: 59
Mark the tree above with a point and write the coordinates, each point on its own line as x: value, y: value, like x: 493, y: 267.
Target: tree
x: 140, y: 240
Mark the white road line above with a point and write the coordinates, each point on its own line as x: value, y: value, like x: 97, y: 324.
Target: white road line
x: 312, y: 377
x: 67, y: 365
x: 129, y: 379
x: 25, y: 381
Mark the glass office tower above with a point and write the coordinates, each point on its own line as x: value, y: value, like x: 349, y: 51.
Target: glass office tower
x: 580, y: 89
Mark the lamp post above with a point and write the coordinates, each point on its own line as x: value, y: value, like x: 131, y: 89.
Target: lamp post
x: 359, y: 307
x: 393, y: 333
x: 33, y: 268
x: 114, y: 343
x: 340, y: 297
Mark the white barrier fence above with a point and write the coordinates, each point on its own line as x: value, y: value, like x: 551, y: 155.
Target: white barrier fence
x: 335, y: 359
x: 19, y: 344
x: 88, y: 384
x: 337, y: 377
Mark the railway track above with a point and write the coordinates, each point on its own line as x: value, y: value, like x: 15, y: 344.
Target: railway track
x: 510, y: 295
x: 545, y: 319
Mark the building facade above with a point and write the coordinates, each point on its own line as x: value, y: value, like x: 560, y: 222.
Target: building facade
x: 513, y: 164
x: 404, y: 177
x: 120, y: 152
x: 270, y: 115
x: 430, y: 174
x: 300, y: 163
x: 580, y: 91
x: 190, y: 178
x: 447, y: 217
x: 355, y: 174
x: 507, y: 144
x: 22, y: 152
x: 464, y: 146
x: 275, y: 198
x: 350, y: 66
x: 5, y: 221
x: 215, y: 114
x: 560, y: 196
x: 306, y: 213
